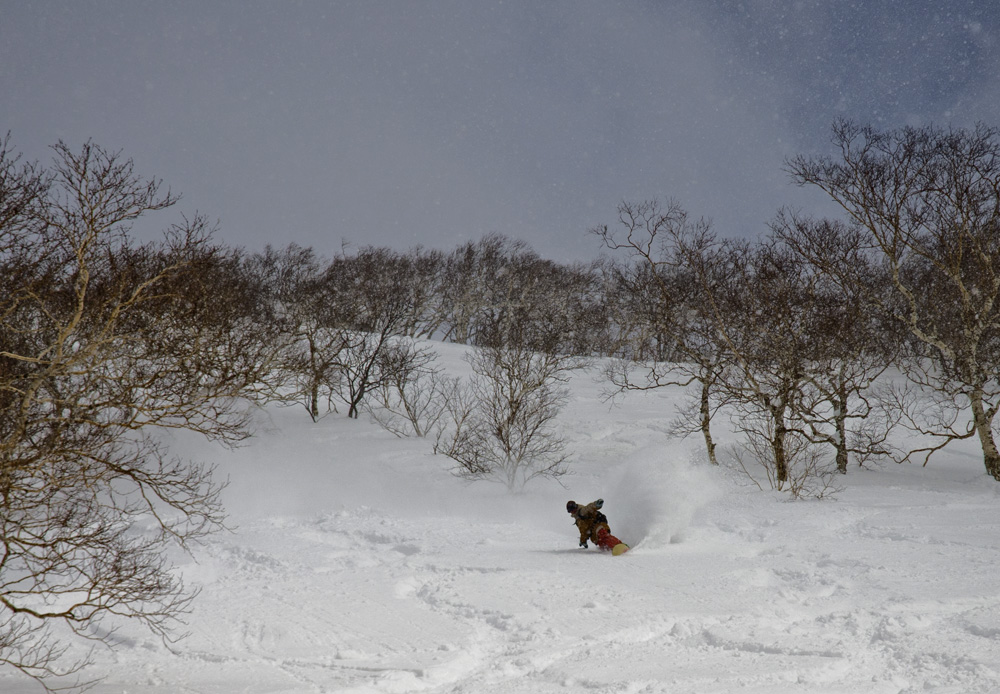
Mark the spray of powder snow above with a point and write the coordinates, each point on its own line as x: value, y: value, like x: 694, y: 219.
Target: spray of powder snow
x: 657, y: 491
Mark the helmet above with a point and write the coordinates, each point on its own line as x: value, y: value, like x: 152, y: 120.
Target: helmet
x: 571, y: 507
x: 599, y: 503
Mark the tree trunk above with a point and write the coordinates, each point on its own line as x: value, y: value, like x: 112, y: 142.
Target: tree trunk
x: 778, y: 446
x: 314, y: 387
x: 840, y: 421
x: 314, y: 401
x: 706, y: 422
x: 983, y: 422
x: 356, y: 398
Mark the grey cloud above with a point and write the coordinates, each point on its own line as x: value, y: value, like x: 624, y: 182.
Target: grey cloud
x: 436, y: 122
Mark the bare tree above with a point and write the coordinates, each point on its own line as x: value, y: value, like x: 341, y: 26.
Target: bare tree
x: 380, y: 311
x: 761, y: 306
x: 671, y: 333
x: 801, y: 363
x: 483, y: 280
x: 228, y: 313
x: 854, y: 346
x: 369, y: 362
x: 469, y: 271
x: 342, y: 322
x: 924, y: 205
x: 102, y: 343
x: 423, y: 271
x: 307, y: 318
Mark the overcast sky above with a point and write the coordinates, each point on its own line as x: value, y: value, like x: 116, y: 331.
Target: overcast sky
x: 431, y: 122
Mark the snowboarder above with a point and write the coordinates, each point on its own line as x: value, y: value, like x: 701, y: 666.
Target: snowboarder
x: 593, y: 526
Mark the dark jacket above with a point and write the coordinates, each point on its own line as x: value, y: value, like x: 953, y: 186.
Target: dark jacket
x: 590, y: 520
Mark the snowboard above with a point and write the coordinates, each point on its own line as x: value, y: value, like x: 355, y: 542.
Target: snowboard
x: 619, y: 549
x: 607, y: 541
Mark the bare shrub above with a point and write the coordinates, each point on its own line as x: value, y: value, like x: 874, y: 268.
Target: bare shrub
x: 807, y: 473
x: 509, y: 433
x: 452, y: 433
x: 413, y: 398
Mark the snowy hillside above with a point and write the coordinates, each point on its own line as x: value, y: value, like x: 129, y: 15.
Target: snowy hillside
x: 359, y: 564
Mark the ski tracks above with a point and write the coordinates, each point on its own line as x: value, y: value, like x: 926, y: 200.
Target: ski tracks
x: 851, y: 614
x: 362, y: 602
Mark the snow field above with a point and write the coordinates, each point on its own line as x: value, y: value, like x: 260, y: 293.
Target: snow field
x: 359, y: 565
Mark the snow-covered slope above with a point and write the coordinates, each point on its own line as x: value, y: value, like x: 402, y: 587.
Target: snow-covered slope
x: 359, y: 564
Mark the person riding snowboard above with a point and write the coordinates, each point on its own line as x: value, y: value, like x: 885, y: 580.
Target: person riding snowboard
x: 593, y: 525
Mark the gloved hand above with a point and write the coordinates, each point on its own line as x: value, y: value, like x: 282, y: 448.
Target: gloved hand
x: 583, y: 543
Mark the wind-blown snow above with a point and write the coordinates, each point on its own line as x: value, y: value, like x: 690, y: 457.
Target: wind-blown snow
x: 360, y: 565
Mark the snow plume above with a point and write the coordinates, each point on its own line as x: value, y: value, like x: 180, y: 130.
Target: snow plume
x: 657, y: 491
